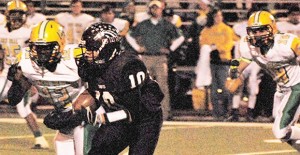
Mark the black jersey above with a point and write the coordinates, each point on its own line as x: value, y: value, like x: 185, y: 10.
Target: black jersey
x: 125, y: 83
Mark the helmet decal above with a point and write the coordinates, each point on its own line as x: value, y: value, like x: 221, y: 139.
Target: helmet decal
x: 103, y: 39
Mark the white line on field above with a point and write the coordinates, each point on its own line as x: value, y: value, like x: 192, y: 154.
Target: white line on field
x: 273, y: 141
x: 169, y: 126
x: 21, y: 137
x: 267, y: 152
x: 171, y: 123
x: 222, y: 124
x: 16, y: 120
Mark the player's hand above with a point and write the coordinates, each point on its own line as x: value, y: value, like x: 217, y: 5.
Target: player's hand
x: 142, y: 49
x: 232, y: 85
x: 14, y: 72
x: 164, y: 51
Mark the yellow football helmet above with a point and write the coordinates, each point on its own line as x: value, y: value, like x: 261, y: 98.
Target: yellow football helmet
x: 261, y: 21
x: 15, y: 14
x: 47, y: 41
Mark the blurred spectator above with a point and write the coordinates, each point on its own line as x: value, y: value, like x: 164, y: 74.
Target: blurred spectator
x: 33, y: 17
x: 128, y: 13
x: 217, y: 42
x: 2, y: 19
x: 169, y: 15
x: 155, y: 38
x: 106, y: 14
x: 141, y: 16
x: 248, y: 4
x: 194, y: 30
x: 292, y: 25
x: 75, y: 22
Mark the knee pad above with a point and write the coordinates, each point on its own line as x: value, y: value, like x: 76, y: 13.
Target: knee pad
x: 79, y: 140
x: 64, y: 144
x: 23, y: 109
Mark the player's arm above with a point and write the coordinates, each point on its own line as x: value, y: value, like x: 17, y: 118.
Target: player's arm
x: 235, y: 78
x: 84, y: 111
x: 86, y: 104
x: 20, y: 84
x: 123, y: 104
x: 296, y: 46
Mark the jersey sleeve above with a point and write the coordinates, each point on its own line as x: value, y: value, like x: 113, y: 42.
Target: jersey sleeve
x: 295, y: 45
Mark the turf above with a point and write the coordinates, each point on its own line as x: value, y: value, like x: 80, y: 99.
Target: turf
x: 187, y: 138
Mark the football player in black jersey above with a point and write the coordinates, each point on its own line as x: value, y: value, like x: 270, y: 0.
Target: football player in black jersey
x: 119, y: 82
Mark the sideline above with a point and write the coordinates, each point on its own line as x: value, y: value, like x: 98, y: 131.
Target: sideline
x: 25, y: 136
x: 167, y: 123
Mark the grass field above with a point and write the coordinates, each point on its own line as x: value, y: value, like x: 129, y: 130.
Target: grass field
x: 177, y: 138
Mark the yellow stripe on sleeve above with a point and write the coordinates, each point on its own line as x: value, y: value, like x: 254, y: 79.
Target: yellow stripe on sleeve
x: 245, y: 60
x: 295, y: 46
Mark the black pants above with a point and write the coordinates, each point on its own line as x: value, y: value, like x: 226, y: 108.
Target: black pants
x: 141, y: 136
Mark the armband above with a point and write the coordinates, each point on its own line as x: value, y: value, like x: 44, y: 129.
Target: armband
x: 111, y: 117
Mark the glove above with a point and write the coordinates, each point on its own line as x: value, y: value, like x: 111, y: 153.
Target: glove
x: 14, y: 72
x: 233, y: 71
x: 89, y: 116
x: 58, y: 120
x: 232, y: 85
